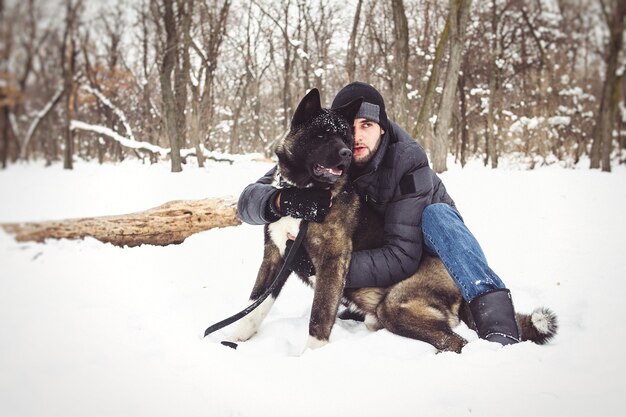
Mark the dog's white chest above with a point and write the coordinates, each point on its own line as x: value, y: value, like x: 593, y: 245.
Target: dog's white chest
x: 280, y: 229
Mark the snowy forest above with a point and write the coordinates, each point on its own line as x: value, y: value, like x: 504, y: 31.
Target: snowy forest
x: 541, y: 81
x: 112, y: 266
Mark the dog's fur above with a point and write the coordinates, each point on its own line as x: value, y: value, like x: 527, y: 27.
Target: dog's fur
x: 425, y: 306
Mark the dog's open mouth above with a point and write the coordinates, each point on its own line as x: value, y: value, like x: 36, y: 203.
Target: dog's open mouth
x: 322, y: 171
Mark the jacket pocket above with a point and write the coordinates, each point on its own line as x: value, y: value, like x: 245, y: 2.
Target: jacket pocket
x: 377, y: 205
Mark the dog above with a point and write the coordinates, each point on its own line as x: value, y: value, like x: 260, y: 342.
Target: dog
x: 425, y: 306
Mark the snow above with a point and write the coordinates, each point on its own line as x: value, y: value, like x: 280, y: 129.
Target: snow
x: 38, y: 117
x: 118, y: 112
x: 531, y: 123
x: 559, y: 120
x: 89, y: 329
x: 127, y: 142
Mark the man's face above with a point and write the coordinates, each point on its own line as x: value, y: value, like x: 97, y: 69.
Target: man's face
x: 367, y: 135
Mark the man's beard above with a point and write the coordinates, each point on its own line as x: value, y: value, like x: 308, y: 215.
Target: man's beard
x: 370, y: 155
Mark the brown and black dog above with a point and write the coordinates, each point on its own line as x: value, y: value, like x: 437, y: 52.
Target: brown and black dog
x: 425, y: 306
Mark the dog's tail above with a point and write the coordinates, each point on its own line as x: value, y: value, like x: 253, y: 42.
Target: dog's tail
x: 539, y: 327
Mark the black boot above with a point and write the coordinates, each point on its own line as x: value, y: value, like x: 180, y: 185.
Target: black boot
x: 495, y: 317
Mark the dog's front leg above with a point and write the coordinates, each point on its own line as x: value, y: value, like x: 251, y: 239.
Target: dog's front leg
x: 272, y: 262
x: 330, y: 281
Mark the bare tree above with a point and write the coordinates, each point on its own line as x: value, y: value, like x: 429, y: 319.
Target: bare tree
x: 494, y: 87
x: 318, y: 21
x: 282, y: 19
x: 174, y: 74
x: 459, y: 12
x: 103, y: 72
x: 529, y: 86
x: 611, y: 90
x: 243, y: 84
x: 212, y: 28
x: 352, y: 44
x: 423, y: 129
x: 69, y: 51
x: 151, y: 126
x: 5, y: 99
x: 401, y: 62
x: 463, y: 144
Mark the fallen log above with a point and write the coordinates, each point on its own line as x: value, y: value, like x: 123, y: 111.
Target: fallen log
x: 170, y: 223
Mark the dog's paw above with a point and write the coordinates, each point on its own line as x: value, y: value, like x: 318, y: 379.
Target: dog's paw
x: 248, y: 325
x: 314, y: 343
x: 372, y: 323
x: 245, y: 330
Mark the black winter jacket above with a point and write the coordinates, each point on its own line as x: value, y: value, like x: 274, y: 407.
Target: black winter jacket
x: 398, y: 184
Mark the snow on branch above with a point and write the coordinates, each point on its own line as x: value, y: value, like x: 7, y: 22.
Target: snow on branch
x: 129, y: 143
x: 119, y: 113
x: 39, y: 117
x: 144, y: 146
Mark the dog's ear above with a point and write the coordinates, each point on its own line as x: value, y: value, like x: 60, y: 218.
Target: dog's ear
x: 308, y: 108
x: 350, y: 109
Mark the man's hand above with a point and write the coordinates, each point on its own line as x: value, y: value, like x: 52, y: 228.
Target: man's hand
x: 310, y: 204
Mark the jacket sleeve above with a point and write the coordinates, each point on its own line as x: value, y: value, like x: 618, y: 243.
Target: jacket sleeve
x: 400, y: 255
x: 253, y: 201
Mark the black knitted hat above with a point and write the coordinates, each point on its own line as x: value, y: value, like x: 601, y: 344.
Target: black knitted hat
x: 373, y: 107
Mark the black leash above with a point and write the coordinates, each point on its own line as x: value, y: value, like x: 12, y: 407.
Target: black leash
x: 282, y: 275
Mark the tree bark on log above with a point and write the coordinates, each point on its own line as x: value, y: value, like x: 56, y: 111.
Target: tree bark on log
x: 170, y: 223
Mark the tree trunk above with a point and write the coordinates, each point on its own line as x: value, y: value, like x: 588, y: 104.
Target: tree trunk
x: 195, y: 133
x: 602, y: 131
x: 459, y: 12
x: 4, y: 78
x: 494, y: 86
x: 212, y: 38
x: 464, y: 130
x: 182, y: 69
x: 235, y: 142
x: 170, y: 223
x: 68, y: 54
x: 351, y: 57
x: 422, y: 130
x: 5, y: 131
x: 607, y: 143
x: 10, y: 95
x: 401, y: 62
x: 169, y: 99
x: 287, y: 84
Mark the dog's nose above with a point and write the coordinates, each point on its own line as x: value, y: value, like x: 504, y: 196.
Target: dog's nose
x: 345, y: 153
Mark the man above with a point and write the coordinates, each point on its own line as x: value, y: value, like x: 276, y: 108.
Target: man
x: 391, y: 173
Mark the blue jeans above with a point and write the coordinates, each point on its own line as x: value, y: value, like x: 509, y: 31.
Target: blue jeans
x: 446, y: 236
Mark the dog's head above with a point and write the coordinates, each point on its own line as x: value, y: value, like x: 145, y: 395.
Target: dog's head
x: 318, y: 149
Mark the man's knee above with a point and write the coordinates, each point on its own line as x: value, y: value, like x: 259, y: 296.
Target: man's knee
x: 439, y: 214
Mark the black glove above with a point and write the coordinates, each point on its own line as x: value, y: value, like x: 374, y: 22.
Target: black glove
x: 301, y: 263
x: 310, y: 204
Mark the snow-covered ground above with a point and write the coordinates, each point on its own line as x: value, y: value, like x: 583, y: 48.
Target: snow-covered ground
x: 89, y: 329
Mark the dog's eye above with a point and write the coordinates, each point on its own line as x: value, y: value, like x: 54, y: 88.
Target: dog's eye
x: 320, y: 136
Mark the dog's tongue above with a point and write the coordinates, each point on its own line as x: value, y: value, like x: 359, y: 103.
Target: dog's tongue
x: 333, y: 171
x: 323, y: 170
